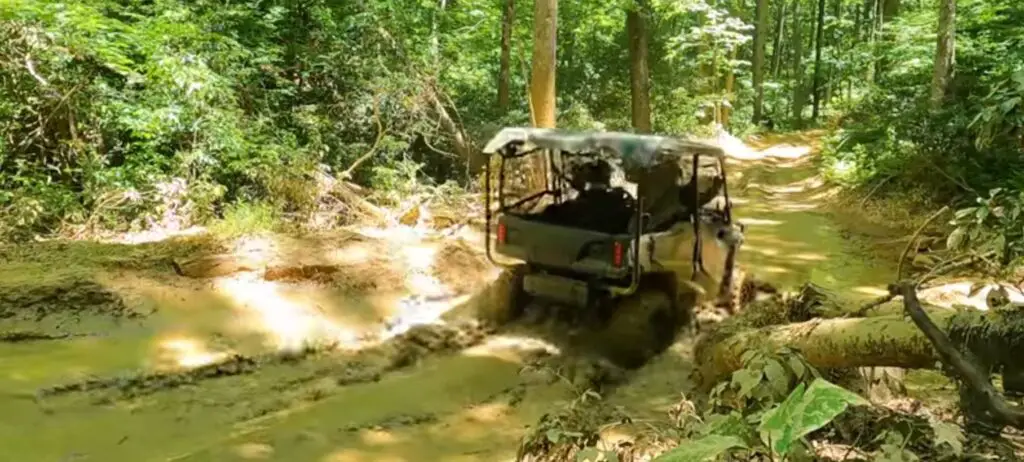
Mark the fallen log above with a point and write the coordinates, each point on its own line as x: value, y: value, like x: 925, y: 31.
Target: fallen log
x: 347, y: 193
x: 878, y: 341
x: 887, y: 338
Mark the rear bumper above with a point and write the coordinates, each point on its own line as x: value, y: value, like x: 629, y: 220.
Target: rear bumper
x: 557, y: 288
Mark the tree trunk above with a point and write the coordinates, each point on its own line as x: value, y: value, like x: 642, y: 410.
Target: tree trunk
x: 870, y: 8
x: 819, y: 41
x: 879, y: 25
x: 542, y: 79
x: 730, y: 83
x: 945, y: 52
x: 878, y: 341
x: 780, y: 26
x: 760, y: 33
x: 834, y: 41
x: 639, y: 73
x: 798, y: 69
x: 890, y: 8
x: 504, y: 72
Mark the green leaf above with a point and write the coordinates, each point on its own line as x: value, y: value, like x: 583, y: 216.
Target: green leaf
x: 777, y: 376
x: 798, y: 367
x: 776, y: 428
x: 804, y: 412
x: 554, y: 435
x: 999, y: 243
x: 956, y: 238
x: 590, y: 454
x: 965, y: 212
x: 983, y: 213
x: 950, y: 434
x: 701, y: 449
x: 731, y: 424
x: 748, y: 356
x: 747, y: 380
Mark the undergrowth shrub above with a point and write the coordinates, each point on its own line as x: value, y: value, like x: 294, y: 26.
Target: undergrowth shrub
x: 973, y: 142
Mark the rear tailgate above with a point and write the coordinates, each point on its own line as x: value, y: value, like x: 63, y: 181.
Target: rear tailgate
x: 581, y: 250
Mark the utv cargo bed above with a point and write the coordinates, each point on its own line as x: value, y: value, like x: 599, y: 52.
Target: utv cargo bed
x: 606, y: 256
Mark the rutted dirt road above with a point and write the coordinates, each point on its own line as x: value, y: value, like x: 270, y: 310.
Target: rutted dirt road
x: 333, y: 348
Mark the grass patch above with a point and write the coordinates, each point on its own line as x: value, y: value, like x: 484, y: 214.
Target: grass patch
x: 246, y: 218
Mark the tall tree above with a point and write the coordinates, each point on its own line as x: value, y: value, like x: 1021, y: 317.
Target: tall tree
x: 639, y: 71
x: 760, y: 33
x: 780, y: 26
x: 871, y: 25
x: 834, y: 41
x: 819, y: 42
x: 945, y: 51
x: 890, y: 8
x: 879, y: 65
x: 504, y: 73
x: 730, y: 84
x: 542, y: 78
x: 798, y: 68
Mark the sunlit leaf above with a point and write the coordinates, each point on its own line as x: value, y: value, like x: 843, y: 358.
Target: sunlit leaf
x: 956, y: 238
x: 804, y: 411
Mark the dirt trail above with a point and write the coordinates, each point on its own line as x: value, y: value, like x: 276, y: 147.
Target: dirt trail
x: 110, y: 356
x: 792, y: 234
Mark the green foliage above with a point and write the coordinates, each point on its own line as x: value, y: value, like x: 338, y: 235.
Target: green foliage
x: 708, y: 447
x: 240, y: 102
x: 767, y: 407
x: 973, y: 141
x: 994, y: 225
x: 243, y: 218
x: 803, y: 412
x: 248, y: 102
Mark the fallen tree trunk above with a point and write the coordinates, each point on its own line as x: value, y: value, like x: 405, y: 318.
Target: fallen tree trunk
x: 878, y: 341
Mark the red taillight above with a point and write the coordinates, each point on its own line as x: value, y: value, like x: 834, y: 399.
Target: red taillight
x: 617, y: 254
x: 502, y: 233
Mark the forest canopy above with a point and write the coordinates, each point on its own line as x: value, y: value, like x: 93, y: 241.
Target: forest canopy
x: 133, y: 114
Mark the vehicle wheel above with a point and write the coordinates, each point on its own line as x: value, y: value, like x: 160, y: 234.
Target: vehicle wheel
x: 506, y: 299
x: 641, y: 326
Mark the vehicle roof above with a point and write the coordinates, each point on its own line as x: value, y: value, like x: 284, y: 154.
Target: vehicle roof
x: 645, y: 150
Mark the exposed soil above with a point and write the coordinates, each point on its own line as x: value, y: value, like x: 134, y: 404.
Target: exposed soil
x: 340, y: 347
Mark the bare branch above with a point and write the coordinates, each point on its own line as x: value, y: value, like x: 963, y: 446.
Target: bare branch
x: 32, y: 71
x: 913, y: 240
x: 964, y: 365
x: 381, y: 131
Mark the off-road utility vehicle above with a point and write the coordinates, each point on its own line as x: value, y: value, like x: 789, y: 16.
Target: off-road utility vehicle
x: 639, y: 254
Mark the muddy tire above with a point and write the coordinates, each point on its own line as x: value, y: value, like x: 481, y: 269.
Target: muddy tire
x: 641, y: 326
x: 505, y: 299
